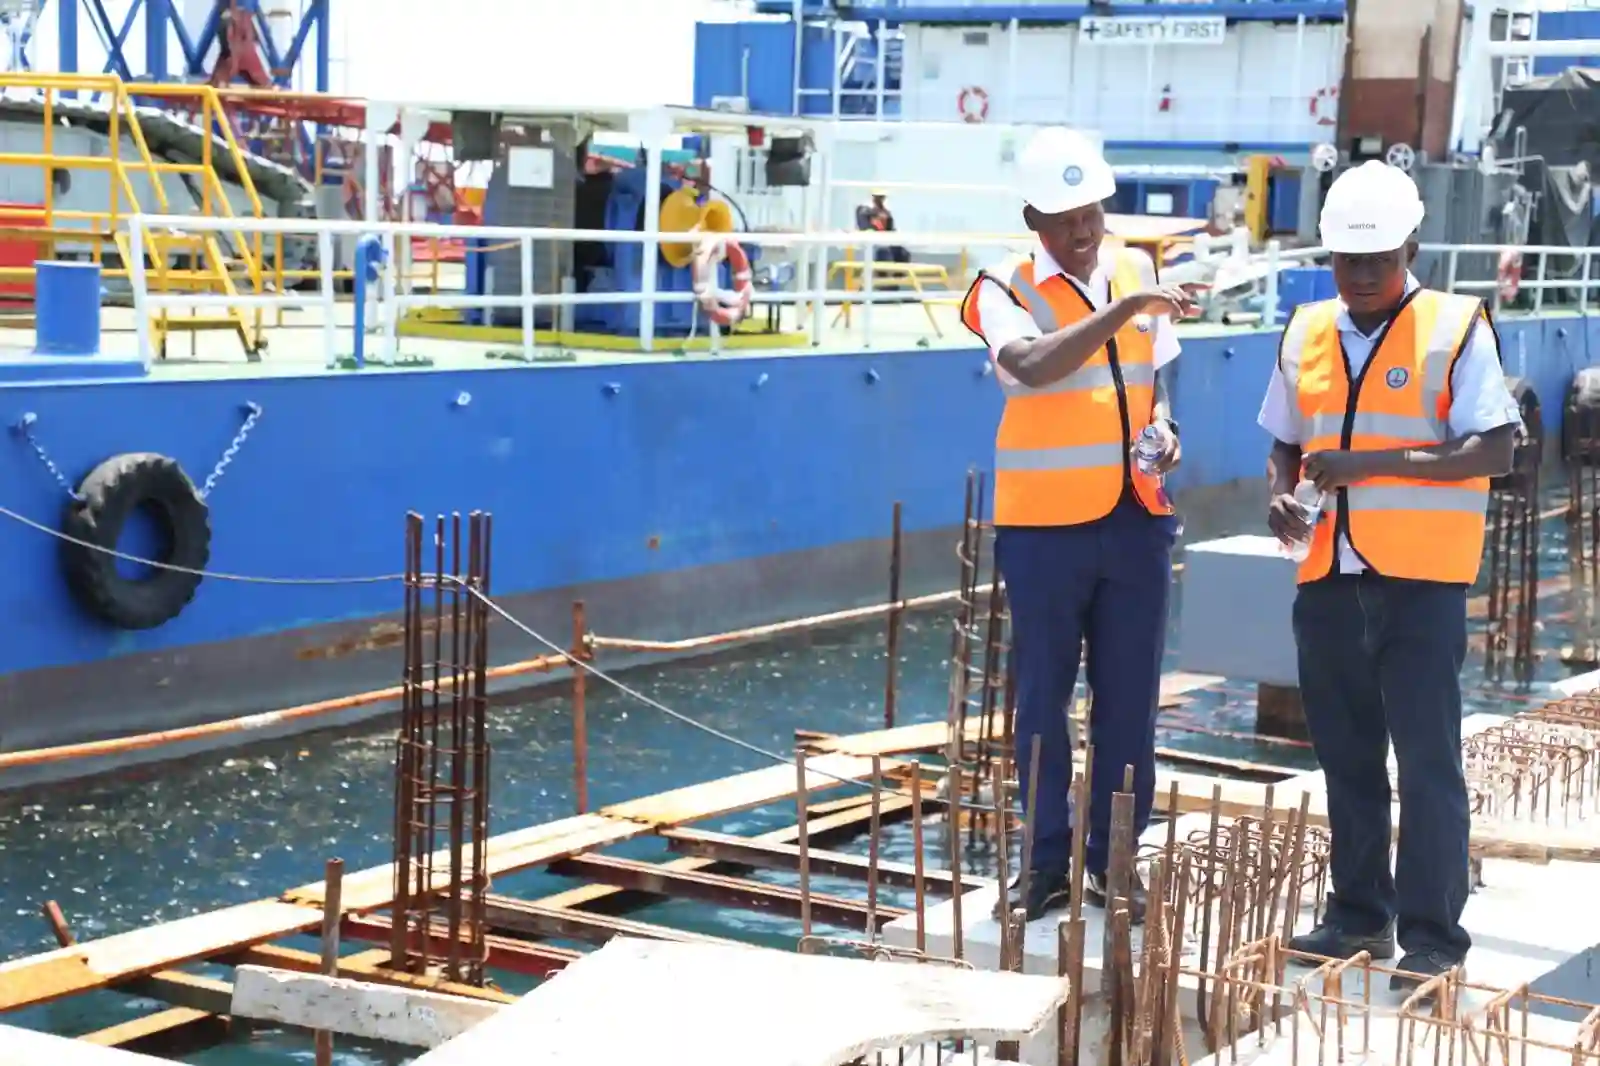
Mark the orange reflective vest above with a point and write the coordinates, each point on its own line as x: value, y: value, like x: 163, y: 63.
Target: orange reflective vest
x: 1400, y: 527
x: 1062, y: 455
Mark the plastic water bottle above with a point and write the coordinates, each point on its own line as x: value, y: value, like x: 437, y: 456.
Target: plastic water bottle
x: 1147, y: 449
x: 1310, y: 501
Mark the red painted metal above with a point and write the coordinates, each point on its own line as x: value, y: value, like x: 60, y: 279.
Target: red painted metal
x: 19, y: 251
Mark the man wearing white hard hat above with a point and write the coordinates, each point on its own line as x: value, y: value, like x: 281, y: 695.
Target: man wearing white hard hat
x: 1084, y: 531
x: 1390, y: 400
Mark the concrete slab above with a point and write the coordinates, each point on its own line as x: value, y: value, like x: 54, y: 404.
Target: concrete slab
x: 1517, y: 921
x: 732, y: 1006
x: 1580, y: 685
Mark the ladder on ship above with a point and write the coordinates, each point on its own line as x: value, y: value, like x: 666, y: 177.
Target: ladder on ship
x: 202, y: 263
x: 210, y: 263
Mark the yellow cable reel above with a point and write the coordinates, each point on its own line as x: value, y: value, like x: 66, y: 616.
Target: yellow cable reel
x: 681, y: 214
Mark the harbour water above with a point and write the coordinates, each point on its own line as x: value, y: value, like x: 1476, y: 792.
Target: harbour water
x: 228, y: 828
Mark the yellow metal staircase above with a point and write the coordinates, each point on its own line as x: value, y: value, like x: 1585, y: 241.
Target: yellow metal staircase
x: 218, y: 263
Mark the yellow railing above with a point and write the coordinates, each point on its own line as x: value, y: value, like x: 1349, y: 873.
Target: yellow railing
x: 53, y: 226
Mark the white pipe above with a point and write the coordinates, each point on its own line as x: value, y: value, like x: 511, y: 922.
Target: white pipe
x: 1538, y: 49
x: 798, y: 15
x: 881, y: 83
x: 819, y: 239
x: 1013, y: 40
x: 1297, y: 91
x: 840, y: 43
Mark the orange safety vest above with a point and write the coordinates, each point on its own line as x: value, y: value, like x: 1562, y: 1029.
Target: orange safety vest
x: 1062, y: 455
x: 1400, y: 527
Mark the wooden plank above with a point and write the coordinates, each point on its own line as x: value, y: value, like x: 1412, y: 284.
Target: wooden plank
x: 561, y: 923
x: 772, y: 855
x: 99, y: 963
x: 757, y: 788
x: 722, y: 891
x: 172, y: 1033
x: 25, y: 1047
x: 369, y: 966
x: 360, y: 1009
x: 1524, y: 842
x: 741, y: 1005
x: 933, y: 736
x: 505, y: 953
x: 373, y: 889
x: 851, y: 813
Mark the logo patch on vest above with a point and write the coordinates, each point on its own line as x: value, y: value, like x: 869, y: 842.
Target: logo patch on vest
x: 1397, y: 378
x: 1072, y: 175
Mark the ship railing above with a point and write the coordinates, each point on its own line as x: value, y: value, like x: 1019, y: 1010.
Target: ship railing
x: 811, y: 295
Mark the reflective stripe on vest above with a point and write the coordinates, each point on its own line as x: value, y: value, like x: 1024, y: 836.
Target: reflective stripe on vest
x: 1400, y: 527
x: 1061, y: 453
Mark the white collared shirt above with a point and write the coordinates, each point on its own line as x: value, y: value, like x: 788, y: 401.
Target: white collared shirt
x: 1479, y: 400
x: 1002, y: 321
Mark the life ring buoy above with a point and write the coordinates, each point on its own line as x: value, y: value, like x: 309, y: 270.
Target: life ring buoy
x: 973, y: 104
x: 1324, y: 102
x: 106, y: 499
x: 1508, y: 277
x: 725, y: 307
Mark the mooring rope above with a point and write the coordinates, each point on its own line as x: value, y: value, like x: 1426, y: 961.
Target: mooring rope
x: 517, y: 623
x: 216, y: 575
x: 679, y: 716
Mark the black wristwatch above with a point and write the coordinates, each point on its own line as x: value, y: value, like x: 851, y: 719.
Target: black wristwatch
x: 1172, y: 424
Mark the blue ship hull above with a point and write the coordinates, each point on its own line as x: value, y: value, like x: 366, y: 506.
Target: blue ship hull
x: 676, y: 497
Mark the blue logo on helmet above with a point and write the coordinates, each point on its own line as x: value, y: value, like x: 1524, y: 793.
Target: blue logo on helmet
x: 1397, y: 377
x: 1072, y: 175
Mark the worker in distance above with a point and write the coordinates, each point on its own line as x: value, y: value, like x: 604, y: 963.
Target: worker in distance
x: 1389, y: 414
x: 1081, y: 339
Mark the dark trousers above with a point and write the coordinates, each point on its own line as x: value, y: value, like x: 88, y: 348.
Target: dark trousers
x: 893, y: 253
x: 1105, y: 583
x: 1380, y: 660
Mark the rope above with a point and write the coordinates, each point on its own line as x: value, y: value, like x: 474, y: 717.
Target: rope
x: 527, y: 630
x: 679, y: 716
x: 215, y: 575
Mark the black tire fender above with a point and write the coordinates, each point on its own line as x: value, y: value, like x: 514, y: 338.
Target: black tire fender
x: 107, y: 498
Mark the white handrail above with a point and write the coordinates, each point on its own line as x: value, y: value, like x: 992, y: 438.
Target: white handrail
x: 393, y: 302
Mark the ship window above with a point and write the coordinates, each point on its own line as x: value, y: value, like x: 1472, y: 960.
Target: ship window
x: 980, y: 38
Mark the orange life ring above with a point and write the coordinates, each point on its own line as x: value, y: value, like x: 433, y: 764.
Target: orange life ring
x: 1323, y: 101
x: 725, y: 307
x: 1508, y: 278
x: 973, y: 104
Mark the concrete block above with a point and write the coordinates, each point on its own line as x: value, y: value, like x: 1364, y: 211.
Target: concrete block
x: 1238, y: 594
x: 406, y: 1016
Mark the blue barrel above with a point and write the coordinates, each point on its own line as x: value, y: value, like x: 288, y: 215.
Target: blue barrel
x: 67, y: 308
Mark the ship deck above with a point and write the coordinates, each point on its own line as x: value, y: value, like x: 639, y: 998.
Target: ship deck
x: 296, y: 347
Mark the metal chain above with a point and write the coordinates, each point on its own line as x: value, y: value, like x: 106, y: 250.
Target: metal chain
x: 251, y: 418
x: 25, y: 427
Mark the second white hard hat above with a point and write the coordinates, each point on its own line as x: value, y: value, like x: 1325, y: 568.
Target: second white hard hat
x: 1062, y: 170
x: 1371, y: 208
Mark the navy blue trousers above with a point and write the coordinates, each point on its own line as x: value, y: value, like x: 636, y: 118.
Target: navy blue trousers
x: 1380, y: 660
x: 1103, y: 583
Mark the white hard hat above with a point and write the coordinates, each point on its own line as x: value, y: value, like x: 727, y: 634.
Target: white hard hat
x: 1061, y: 170
x: 1371, y: 208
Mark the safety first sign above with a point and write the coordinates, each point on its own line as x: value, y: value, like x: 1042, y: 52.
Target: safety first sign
x: 1147, y: 31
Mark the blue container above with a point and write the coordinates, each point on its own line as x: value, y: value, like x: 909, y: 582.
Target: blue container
x: 67, y: 308
x: 1303, y: 285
